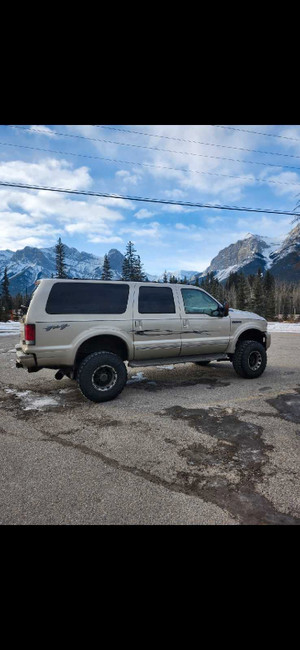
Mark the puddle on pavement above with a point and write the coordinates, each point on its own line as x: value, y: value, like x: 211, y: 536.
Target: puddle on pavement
x: 237, y: 461
x: 140, y: 382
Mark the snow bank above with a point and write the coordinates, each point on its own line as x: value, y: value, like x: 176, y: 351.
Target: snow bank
x: 11, y: 327
x: 284, y: 327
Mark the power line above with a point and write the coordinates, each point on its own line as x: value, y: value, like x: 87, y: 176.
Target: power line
x: 270, y: 135
x: 139, y: 146
x: 219, y: 174
x: 132, y: 162
x: 206, y: 144
x: 149, y: 200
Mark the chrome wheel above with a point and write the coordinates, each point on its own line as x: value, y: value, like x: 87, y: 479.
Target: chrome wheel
x: 104, y: 378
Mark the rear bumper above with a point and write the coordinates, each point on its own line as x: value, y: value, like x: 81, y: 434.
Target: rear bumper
x: 24, y: 360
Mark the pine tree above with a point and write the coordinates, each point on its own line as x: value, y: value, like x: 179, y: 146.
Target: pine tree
x: 60, y: 260
x: 165, y: 277
x: 269, y: 295
x: 128, y: 262
x: 139, y: 275
x: 106, y: 270
x: 6, y: 300
x: 132, y: 266
x: 242, y: 292
x: 259, y: 303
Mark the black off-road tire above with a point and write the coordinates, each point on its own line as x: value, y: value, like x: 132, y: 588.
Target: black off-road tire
x: 249, y: 359
x: 201, y: 363
x: 101, y: 376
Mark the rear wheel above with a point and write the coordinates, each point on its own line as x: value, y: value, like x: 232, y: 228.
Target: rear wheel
x: 249, y: 359
x: 101, y: 376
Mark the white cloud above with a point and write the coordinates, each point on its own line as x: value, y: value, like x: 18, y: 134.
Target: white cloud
x: 128, y: 179
x: 153, y: 231
x: 288, y: 182
x: 44, y: 130
x: 144, y: 214
x: 49, y: 172
x: 37, y: 216
x: 181, y: 226
x: 17, y: 231
x: 98, y: 239
x: 174, y: 194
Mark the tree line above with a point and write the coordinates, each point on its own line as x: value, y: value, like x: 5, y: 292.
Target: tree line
x: 259, y: 293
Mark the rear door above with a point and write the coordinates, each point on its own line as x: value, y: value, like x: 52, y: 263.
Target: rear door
x: 204, y: 330
x: 156, y: 322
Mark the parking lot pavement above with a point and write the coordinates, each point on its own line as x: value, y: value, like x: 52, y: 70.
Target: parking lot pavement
x: 182, y: 444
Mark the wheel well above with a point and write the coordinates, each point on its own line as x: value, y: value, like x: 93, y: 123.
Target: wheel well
x: 253, y: 335
x: 101, y: 343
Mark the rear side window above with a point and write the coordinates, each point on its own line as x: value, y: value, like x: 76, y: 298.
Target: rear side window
x: 156, y: 300
x: 87, y: 298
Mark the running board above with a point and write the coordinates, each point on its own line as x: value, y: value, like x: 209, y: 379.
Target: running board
x: 186, y: 359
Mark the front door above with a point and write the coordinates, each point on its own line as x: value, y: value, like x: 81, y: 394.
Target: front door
x: 156, y: 322
x: 204, y: 331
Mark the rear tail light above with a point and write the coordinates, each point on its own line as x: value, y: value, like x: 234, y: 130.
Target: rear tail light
x: 29, y: 332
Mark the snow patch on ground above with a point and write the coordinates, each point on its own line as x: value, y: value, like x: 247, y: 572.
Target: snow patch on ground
x: 31, y: 400
x: 138, y: 377
x: 165, y: 367
x: 10, y: 327
x: 284, y: 327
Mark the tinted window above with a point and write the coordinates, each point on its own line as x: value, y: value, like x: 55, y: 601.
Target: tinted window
x: 156, y: 300
x: 87, y: 298
x: 198, y: 302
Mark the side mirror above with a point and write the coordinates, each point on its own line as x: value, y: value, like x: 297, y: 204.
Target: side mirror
x: 226, y: 308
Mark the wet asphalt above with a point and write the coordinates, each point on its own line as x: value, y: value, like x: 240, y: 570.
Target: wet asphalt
x: 181, y: 445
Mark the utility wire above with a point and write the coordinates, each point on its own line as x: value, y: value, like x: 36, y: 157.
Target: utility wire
x: 149, y: 200
x: 246, y: 178
x: 206, y: 144
x: 139, y: 146
x: 270, y: 135
x: 132, y: 162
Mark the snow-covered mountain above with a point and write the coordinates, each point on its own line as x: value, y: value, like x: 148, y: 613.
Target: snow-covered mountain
x: 179, y: 274
x: 285, y: 260
x: 29, y: 264
x: 245, y: 255
x: 280, y: 256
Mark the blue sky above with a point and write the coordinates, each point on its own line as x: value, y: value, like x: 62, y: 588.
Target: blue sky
x: 177, y: 162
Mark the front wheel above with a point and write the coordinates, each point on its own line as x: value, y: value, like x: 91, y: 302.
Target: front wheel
x: 249, y: 359
x: 101, y: 376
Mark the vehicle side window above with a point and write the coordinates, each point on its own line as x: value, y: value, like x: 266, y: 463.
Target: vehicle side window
x: 87, y: 298
x: 156, y: 300
x: 198, y: 302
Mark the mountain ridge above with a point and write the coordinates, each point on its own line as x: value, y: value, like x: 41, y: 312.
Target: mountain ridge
x: 280, y: 255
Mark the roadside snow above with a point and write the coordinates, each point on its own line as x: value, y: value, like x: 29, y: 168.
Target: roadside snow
x: 11, y: 327
x: 138, y: 377
x: 30, y: 400
x: 284, y: 327
x: 171, y: 367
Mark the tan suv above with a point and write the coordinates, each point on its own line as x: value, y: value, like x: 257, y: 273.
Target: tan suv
x: 87, y: 329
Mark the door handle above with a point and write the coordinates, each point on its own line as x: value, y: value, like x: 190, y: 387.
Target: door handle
x: 138, y: 323
x: 185, y: 322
